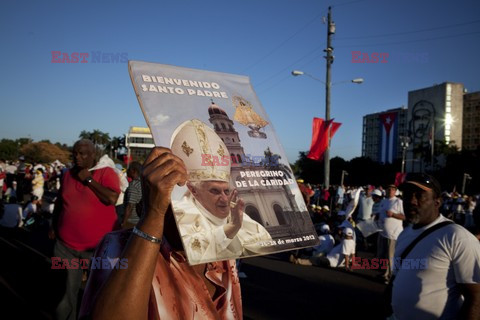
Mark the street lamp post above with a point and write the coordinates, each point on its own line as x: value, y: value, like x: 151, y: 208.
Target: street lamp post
x: 404, y: 141
x: 329, y: 59
x: 328, y: 85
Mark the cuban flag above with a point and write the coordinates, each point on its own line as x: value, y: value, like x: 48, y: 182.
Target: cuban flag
x: 389, y: 132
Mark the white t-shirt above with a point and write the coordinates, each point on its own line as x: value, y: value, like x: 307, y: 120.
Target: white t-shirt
x: 391, y: 226
x: 336, y: 255
x: 348, y: 247
x: 453, y: 256
x: 365, y: 208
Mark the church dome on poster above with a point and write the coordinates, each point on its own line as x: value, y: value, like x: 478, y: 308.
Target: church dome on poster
x: 214, y: 109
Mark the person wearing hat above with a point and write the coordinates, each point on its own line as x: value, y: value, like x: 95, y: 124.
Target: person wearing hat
x: 339, y: 256
x: 210, y: 215
x: 326, y: 242
x: 377, y: 196
x: 38, y: 183
x: 365, y: 205
x: 391, y: 220
x: 347, y: 222
x: 449, y: 286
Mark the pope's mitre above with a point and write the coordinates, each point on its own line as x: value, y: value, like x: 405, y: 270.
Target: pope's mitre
x: 204, y: 153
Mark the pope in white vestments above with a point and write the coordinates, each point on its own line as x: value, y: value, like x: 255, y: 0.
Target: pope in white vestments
x: 210, y: 216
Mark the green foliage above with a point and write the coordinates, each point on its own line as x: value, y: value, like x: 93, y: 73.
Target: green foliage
x: 363, y: 171
x: 9, y: 149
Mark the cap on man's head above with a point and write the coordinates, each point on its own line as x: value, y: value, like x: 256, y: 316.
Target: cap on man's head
x: 326, y: 208
x: 423, y: 181
x: 377, y: 193
x: 202, y: 151
x: 21, y: 158
x: 391, y: 186
x: 325, y: 228
x: 348, y: 231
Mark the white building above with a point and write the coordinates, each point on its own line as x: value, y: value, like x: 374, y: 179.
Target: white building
x: 139, y: 142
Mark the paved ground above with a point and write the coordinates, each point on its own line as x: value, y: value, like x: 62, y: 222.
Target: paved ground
x: 280, y: 290
x: 274, y: 288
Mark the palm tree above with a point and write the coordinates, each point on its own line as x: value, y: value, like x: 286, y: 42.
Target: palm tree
x: 100, y: 139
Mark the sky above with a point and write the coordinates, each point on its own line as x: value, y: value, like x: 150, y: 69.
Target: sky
x: 428, y: 42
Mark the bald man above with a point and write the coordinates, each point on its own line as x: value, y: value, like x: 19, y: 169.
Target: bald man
x: 85, y: 212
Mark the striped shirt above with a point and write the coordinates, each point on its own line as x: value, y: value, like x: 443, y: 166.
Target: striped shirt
x: 133, y: 195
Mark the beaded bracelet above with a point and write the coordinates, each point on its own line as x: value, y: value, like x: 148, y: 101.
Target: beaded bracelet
x: 146, y: 236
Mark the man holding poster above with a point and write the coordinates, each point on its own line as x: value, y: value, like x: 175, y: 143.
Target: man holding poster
x: 210, y: 215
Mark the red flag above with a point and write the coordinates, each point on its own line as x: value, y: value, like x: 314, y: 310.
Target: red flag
x: 399, y: 178
x: 319, y: 137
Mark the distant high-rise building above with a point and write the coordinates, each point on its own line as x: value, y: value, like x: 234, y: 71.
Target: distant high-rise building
x: 434, y: 114
x: 471, y: 121
x: 382, y: 132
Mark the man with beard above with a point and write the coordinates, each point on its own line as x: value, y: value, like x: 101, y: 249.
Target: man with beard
x: 446, y: 283
x: 85, y: 212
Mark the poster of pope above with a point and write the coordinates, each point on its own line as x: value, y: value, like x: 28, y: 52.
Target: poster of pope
x: 241, y: 198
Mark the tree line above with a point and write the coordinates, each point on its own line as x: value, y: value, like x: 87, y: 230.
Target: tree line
x: 45, y: 151
x: 363, y: 171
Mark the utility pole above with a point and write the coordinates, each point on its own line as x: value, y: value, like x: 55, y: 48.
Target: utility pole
x: 329, y: 57
x: 344, y: 173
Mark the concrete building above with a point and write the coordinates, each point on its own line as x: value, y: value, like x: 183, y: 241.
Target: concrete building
x: 382, y: 135
x: 471, y: 121
x: 139, y: 142
x: 436, y: 112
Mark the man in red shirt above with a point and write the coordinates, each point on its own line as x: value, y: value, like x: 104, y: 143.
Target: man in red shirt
x: 84, y: 212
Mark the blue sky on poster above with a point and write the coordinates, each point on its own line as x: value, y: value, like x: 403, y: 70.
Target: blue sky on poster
x: 262, y: 39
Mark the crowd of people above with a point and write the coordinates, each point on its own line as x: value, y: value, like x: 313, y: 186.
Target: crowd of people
x: 28, y: 190
x: 438, y: 231
x: 86, y: 200
x: 80, y: 202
